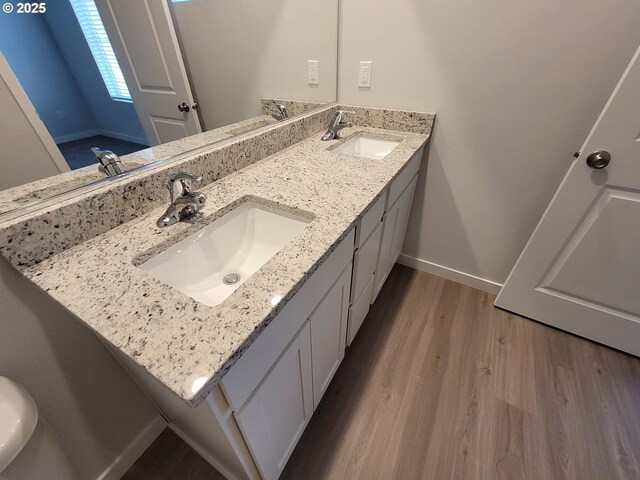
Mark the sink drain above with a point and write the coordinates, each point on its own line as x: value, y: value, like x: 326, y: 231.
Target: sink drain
x: 231, y: 279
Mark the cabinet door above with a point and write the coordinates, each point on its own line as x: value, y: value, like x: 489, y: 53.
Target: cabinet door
x: 404, y: 208
x: 393, y: 230
x: 383, y: 266
x: 328, y: 334
x: 274, y: 418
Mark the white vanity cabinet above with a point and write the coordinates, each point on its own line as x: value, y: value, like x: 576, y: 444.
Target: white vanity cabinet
x: 275, y: 386
x: 379, y: 239
x: 394, y: 222
x: 328, y: 334
x: 393, y: 232
x: 252, y: 420
x: 275, y: 416
x: 364, y: 266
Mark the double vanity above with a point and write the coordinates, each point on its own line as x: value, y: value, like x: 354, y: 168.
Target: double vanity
x: 235, y: 320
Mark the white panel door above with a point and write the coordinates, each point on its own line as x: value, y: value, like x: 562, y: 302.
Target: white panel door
x: 145, y: 43
x: 580, y: 270
x: 329, y: 333
x: 274, y: 418
x: 29, y: 152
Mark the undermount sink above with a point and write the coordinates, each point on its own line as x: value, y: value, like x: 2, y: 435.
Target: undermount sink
x: 367, y: 147
x: 213, y: 262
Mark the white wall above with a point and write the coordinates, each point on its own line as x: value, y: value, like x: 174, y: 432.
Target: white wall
x: 91, y: 403
x: 36, y: 60
x: 239, y: 51
x: 516, y: 87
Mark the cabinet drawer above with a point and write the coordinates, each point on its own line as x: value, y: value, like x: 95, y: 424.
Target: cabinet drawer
x: 370, y: 220
x: 254, y: 364
x: 364, y: 262
x: 358, y: 311
x: 402, y: 180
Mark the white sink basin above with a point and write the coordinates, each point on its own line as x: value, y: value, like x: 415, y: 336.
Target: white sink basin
x: 213, y: 262
x: 366, y: 147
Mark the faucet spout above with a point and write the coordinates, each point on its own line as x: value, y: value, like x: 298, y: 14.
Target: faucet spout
x: 283, y: 112
x: 110, y: 163
x: 336, y: 125
x: 184, y: 203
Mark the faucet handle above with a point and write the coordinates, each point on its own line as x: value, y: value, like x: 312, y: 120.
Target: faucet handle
x: 337, y: 117
x: 184, y: 176
x: 178, y: 184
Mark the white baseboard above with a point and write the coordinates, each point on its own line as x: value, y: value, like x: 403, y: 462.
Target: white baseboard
x: 122, y: 136
x: 126, y: 459
x: 76, y: 136
x: 92, y: 133
x: 203, y: 453
x: 450, y: 274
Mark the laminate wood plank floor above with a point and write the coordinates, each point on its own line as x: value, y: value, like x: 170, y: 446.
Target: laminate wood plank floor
x: 441, y: 385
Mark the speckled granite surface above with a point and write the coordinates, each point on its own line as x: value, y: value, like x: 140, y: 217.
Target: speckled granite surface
x: 178, y: 340
x: 35, y: 236
x: 295, y: 107
x: 390, y: 119
x: 16, y: 197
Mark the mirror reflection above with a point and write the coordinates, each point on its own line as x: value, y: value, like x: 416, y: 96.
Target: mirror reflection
x: 93, y: 88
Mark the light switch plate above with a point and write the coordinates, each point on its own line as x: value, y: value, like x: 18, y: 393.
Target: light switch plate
x: 312, y: 72
x: 364, y: 75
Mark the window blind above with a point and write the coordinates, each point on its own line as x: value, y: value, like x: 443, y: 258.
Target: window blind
x: 101, y: 48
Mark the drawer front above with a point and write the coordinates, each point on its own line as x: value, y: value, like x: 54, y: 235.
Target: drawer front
x: 364, y: 262
x: 401, y: 182
x: 359, y: 310
x: 254, y: 364
x: 370, y: 220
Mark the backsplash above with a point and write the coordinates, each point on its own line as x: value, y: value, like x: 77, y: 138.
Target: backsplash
x: 36, y: 236
x: 388, y: 119
x: 295, y: 107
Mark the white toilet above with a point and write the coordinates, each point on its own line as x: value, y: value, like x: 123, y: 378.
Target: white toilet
x: 28, y: 448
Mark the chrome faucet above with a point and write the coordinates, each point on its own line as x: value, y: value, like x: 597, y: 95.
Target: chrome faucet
x: 336, y: 125
x: 282, y: 114
x: 184, y: 203
x: 110, y: 163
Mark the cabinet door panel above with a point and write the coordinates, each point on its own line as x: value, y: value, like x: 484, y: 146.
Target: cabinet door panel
x: 328, y: 334
x: 404, y: 208
x: 274, y: 418
x: 383, y: 266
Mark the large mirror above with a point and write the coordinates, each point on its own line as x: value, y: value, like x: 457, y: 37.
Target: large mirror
x: 147, y: 80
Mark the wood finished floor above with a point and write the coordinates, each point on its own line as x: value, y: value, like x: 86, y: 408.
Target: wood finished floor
x: 441, y: 385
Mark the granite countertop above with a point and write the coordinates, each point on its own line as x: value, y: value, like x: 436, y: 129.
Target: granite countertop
x: 184, y: 344
x: 16, y: 197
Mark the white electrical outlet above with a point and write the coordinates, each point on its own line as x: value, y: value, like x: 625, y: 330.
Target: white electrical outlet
x: 364, y: 75
x: 312, y: 72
